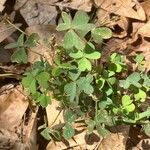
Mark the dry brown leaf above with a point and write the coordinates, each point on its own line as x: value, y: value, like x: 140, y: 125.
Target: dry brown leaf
x: 128, y: 8
x: 6, y: 30
x: 146, y: 7
x: 116, y: 141
x: 145, y: 30
x: 13, y: 105
x: 2, y: 2
x: 37, y: 12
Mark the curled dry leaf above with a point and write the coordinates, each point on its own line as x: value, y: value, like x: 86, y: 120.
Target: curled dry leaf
x: 146, y: 7
x: 128, y: 8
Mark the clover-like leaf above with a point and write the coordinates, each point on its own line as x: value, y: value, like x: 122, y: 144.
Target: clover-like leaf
x: 102, y: 131
x: 68, y: 131
x: 43, y: 78
x: 71, y: 39
x: 93, y: 55
x: 74, y: 74
x: 29, y: 82
x: 84, y: 84
x: 84, y: 64
x: 126, y: 100
x: 69, y: 116
x: 43, y: 100
x: 141, y: 95
x: 19, y: 56
x: 76, y: 55
x: 70, y: 89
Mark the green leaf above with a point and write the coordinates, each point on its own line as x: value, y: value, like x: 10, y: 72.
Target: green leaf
x: 139, y: 58
x: 19, y: 56
x: 20, y: 41
x: 101, y: 82
x: 46, y: 133
x: 56, y: 71
x: 43, y: 100
x: 93, y: 55
x: 74, y: 74
x: 141, y: 95
x: 80, y: 18
x: 147, y: 129
x: 69, y: 116
x: 84, y: 84
x: 71, y: 39
x: 66, y: 18
x: 126, y: 100
x: 104, y: 103
x: 70, y: 89
x: 130, y: 108
x: 32, y: 40
x: 102, y: 130
x: 76, y: 55
x: 84, y: 64
x: 112, y: 80
x: 29, y: 82
x: 115, y: 67
x: 91, y: 124
x: 103, y: 117
x: 62, y: 27
x: 43, y: 78
x: 124, y: 83
x: 68, y: 131
x: 11, y: 45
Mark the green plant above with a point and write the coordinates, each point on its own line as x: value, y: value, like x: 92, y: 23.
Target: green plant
x: 102, y: 95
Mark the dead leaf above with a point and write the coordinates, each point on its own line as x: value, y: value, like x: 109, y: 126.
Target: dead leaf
x: 13, y: 105
x: 2, y: 2
x: 37, y: 12
x: 85, y: 5
x: 116, y: 141
x: 145, y: 30
x: 6, y: 30
x: 128, y: 8
x: 146, y: 7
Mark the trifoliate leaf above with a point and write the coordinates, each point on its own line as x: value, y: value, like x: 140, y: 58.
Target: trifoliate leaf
x: 141, y: 95
x: 84, y: 64
x: 70, y: 89
x: 19, y: 56
x: 68, y: 131
x: 71, y: 39
x: 84, y: 84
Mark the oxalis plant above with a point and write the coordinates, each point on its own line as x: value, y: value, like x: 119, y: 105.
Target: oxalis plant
x: 99, y: 94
